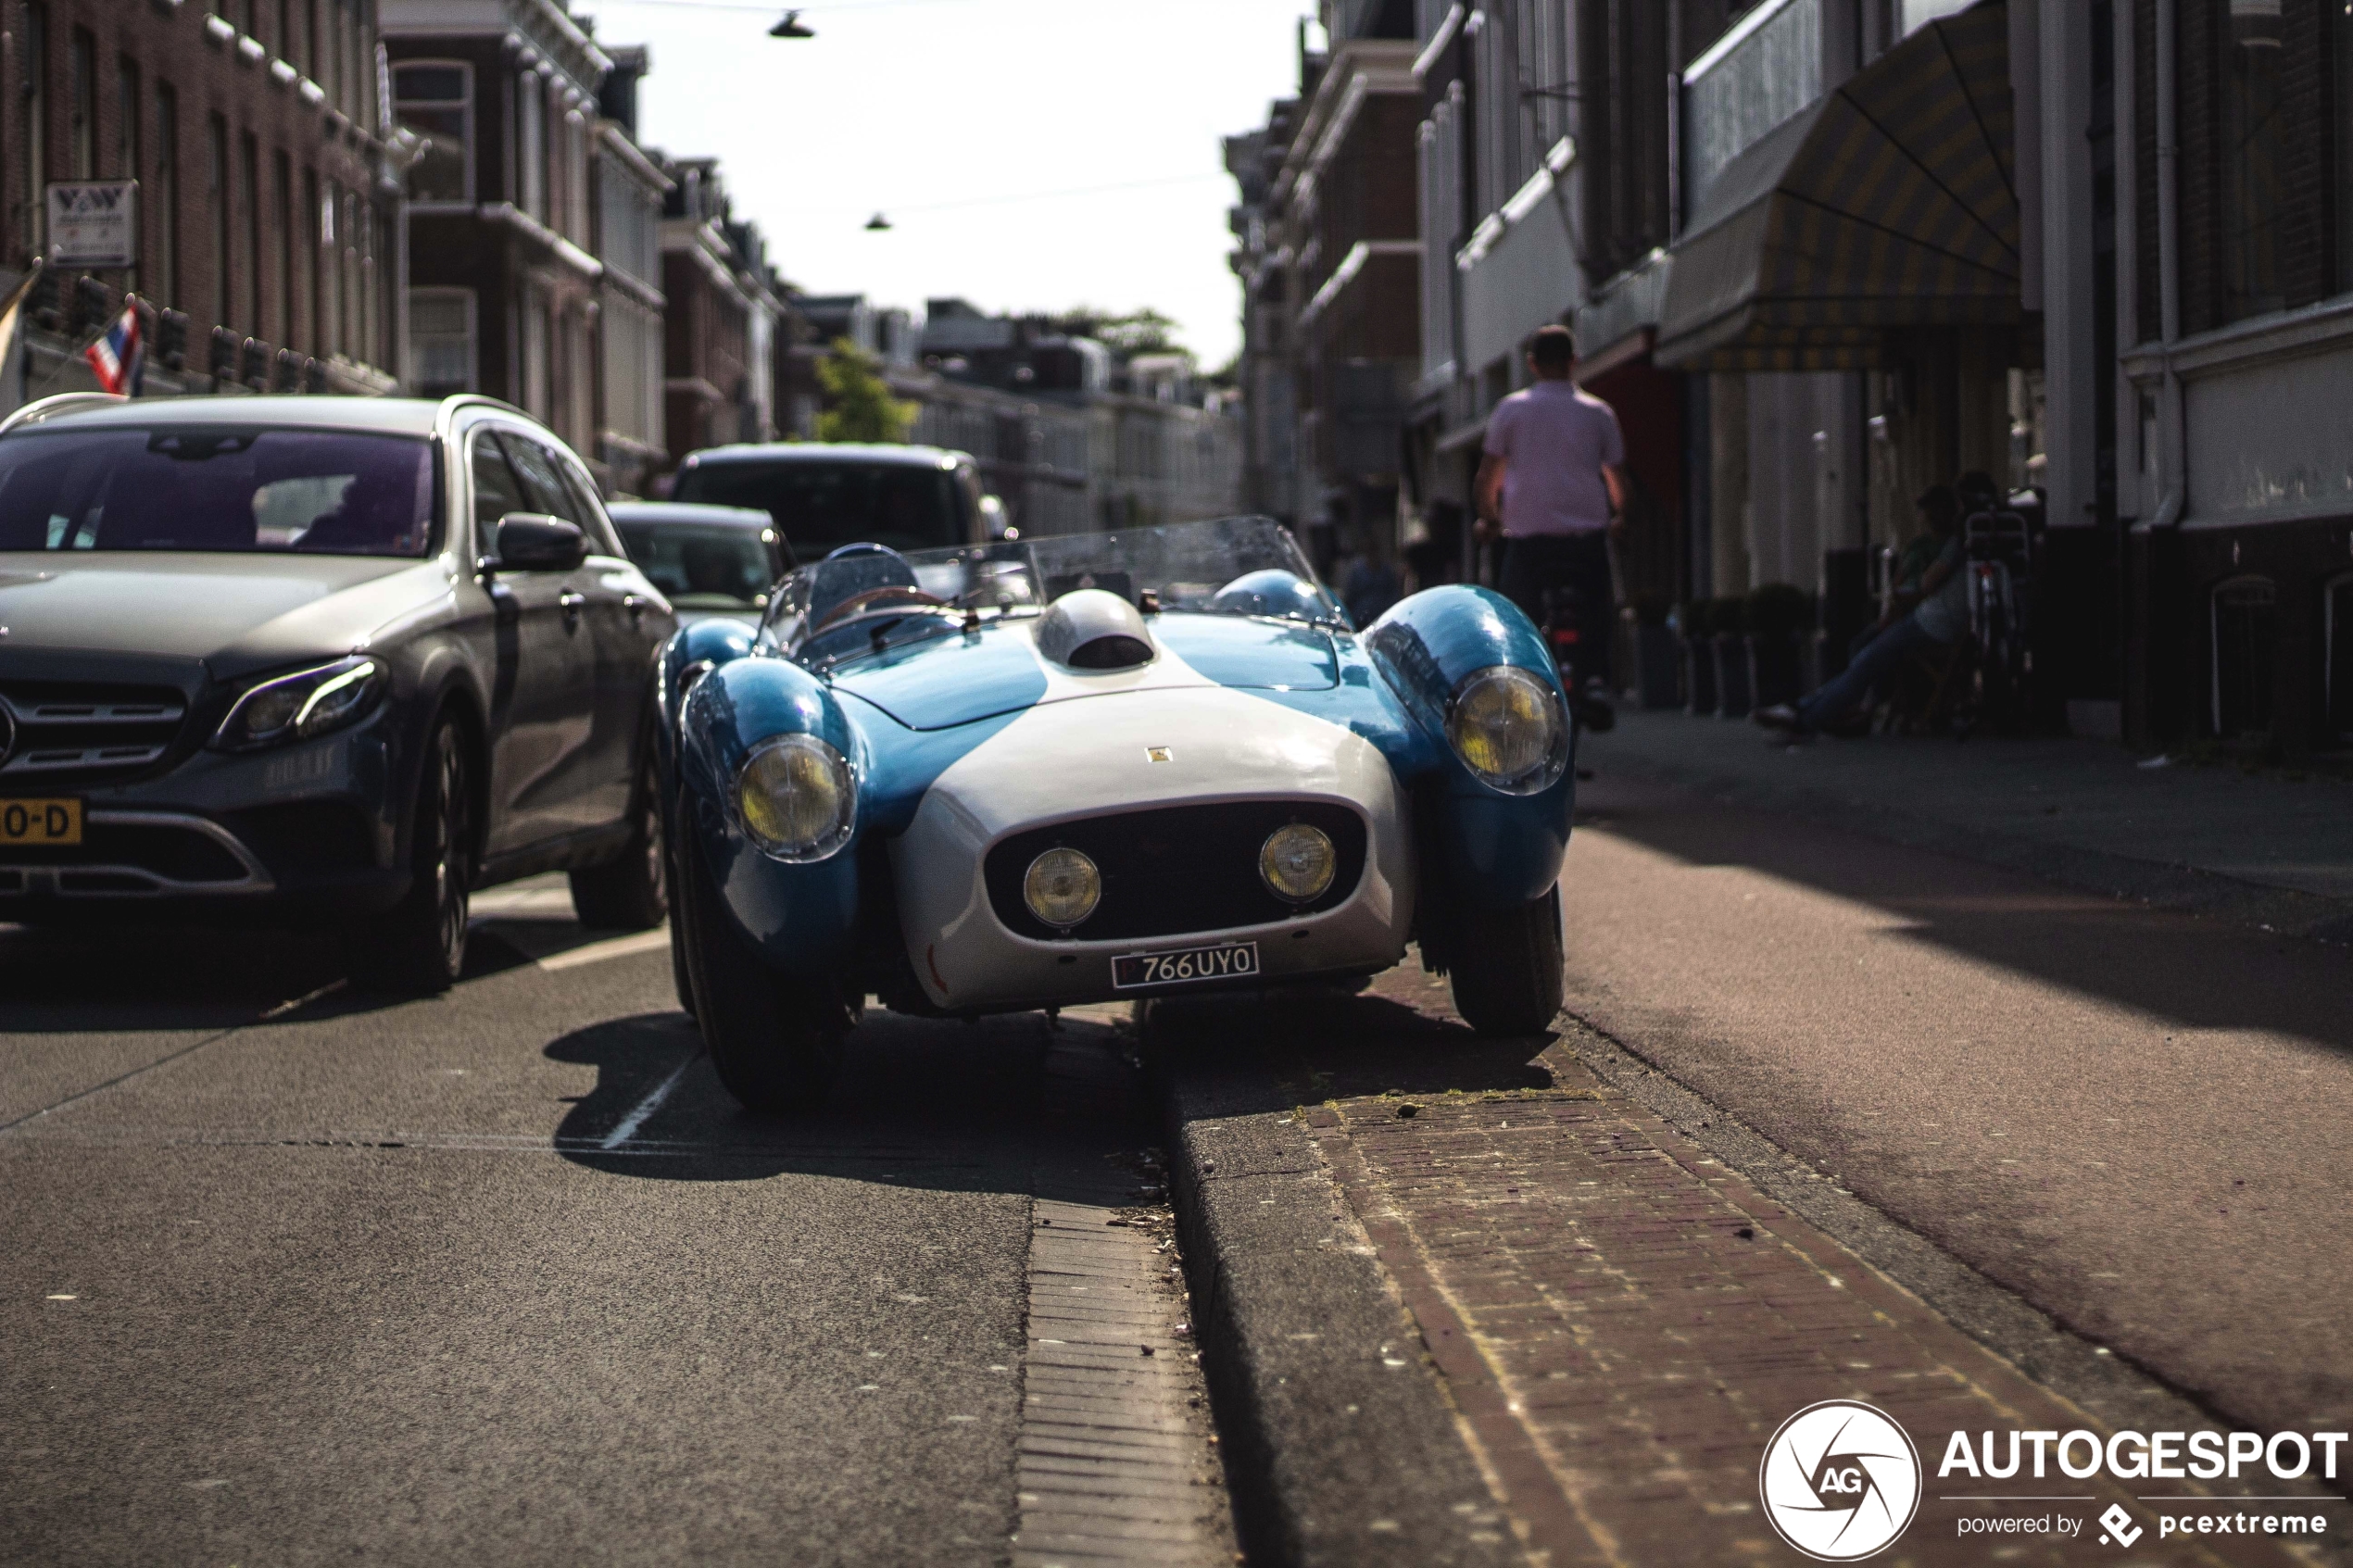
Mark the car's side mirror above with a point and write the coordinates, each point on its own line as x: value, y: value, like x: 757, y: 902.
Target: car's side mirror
x: 993, y: 524
x: 536, y: 542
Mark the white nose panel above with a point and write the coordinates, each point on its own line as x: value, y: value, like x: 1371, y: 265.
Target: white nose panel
x: 1104, y: 755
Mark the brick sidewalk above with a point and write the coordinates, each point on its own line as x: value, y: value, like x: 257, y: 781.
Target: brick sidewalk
x: 1622, y: 1322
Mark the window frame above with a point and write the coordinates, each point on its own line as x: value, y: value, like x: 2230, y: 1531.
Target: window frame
x: 466, y: 107
x: 413, y: 370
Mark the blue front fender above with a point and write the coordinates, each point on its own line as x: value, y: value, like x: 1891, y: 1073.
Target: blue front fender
x: 802, y: 918
x: 1496, y: 850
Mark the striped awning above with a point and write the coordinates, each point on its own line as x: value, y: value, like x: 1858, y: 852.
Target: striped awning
x: 1891, y: 203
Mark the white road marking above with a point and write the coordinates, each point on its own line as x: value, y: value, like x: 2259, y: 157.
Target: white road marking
x: 615, y: 948
x: 647, y: 1107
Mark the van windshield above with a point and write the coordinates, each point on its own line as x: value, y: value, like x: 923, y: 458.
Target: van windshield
x: 820, y: 505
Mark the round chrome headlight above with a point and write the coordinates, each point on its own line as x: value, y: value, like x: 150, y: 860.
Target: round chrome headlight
x: 797, y: 799
x: 1507, y: 727
x: 1062, y: 887
x: 1297, y: 863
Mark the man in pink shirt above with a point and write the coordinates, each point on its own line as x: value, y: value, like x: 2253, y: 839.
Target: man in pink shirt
x: 1553, y: 480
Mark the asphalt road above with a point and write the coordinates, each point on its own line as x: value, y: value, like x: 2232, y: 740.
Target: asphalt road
x: 295, y: 1281
x: 2139, y: 1122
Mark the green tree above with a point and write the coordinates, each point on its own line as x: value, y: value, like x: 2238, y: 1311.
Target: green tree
x: 859, y: 406
x: 1135, y: 332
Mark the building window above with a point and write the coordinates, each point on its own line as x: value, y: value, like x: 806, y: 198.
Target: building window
x: 339, y: 56
x: 2337, y: 618
x: 330, y: 273
x: 441, y: 342
x: 436, y: 101
x: 165, y: 223
x: 2252, y: 165
x: 249, y: 203
x: 36, y: 127
x: 306, y: 259
x: 2245, y: 630
x: 81, y: 125
x: 531, y: 145
x: 2341, y: 23
x: 217, y: 200
x: 1920, y: 13
x: 282, y: 217
x: 126, y: 77
x: 371, y: 313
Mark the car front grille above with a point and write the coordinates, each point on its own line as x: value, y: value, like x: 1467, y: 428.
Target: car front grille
x: 1175, y: 870
x: 134, y: 854
x: 70, y: 733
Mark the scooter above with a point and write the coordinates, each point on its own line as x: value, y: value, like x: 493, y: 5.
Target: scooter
x: 1564, y: 632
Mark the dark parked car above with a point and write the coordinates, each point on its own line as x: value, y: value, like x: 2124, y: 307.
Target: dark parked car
x: 823, y: 495
x: 707, y: 560
x: 318, y: 659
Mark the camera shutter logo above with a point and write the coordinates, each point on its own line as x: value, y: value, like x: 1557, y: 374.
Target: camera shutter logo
x: 1840, y: 1481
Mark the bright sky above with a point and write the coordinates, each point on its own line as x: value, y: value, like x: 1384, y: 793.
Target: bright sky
x: 944, y: 113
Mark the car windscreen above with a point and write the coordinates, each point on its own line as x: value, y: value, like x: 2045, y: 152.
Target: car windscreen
x: 214, y: 488
x: 700, y: 567
x: 1245, y: 566
x: 820, y: 505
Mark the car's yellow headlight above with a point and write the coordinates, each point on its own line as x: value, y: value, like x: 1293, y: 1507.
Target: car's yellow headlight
x: 797, y: 799
x: 1507, y: 727
x: 1298, y: 863
x: 1062, y: 887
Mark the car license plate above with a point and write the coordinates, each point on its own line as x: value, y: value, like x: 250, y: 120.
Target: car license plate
x: 39, y: 821
x: 1227, y: 961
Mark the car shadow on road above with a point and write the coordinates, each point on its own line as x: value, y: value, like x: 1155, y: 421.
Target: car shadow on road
x: 918, y: 1102
x: 2197, y: 973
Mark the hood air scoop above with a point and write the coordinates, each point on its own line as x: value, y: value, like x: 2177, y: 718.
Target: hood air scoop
x: 1090, y: 629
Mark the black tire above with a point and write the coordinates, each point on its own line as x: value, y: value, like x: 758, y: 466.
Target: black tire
x: 1506, y: 967
x: 418, y: 947
x: 630, y: 892
x: 774, y: 1045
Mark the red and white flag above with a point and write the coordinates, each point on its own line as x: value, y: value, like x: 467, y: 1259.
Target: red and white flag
x: 120, y: 357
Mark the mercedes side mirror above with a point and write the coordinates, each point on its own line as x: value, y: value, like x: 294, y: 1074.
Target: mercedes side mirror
x: 536, y: 542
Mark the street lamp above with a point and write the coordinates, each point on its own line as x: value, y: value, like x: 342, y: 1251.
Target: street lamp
x: 878, y: 223
x: 791, y: 27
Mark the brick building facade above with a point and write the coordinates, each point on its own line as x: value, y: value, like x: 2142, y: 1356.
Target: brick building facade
x: 269, y: 209
x: 1330, y: 262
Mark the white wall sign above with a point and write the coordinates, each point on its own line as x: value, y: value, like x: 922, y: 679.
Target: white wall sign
x: 93, y: 223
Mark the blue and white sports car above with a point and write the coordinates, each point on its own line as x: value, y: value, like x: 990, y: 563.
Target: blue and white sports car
x: 1033, y: 773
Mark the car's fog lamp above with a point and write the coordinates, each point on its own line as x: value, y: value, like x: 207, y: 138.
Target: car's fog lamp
x: 797, y: 799
x: 1297, y: 863
x: 297, y: 707
x: 1062, y: 887
x: 1507, y: 727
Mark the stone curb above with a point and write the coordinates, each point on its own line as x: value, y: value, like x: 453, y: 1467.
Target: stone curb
x: 2190, y: 889
x: 1342, y: 1446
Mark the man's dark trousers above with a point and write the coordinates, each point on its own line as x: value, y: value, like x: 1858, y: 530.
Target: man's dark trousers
x: 1581, y: 561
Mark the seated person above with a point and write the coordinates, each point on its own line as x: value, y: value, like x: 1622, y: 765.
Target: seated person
x: 1929, y: 619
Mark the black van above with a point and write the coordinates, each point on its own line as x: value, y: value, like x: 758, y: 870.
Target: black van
x: 825, y: 495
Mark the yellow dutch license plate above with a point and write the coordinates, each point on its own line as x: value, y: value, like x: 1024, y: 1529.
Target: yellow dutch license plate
x: 41, y: 823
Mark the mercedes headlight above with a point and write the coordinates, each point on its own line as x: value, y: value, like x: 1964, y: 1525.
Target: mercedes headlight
x: 1062, y: 887
x: 795, y: 798
x: 297, y: 707
x: 1297, y: 863
x: 1507, y: 727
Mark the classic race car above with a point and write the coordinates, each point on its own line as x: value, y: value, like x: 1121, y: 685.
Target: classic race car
x: 1032, y: 773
